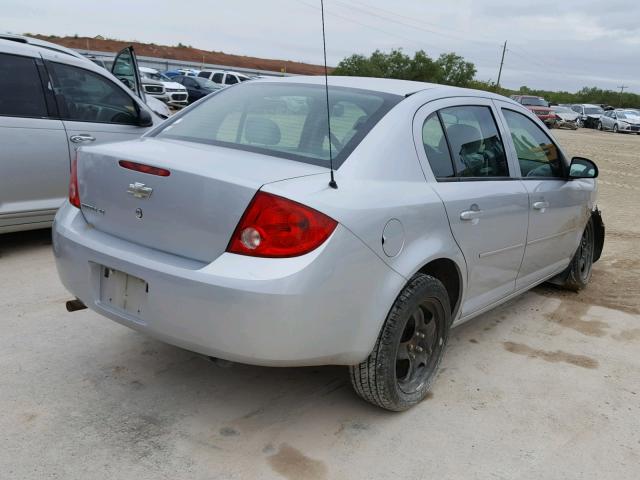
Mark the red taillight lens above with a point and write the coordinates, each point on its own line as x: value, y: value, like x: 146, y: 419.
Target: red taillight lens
x: 74, y: 193
x: 141, y: 167
x: 276, y: 227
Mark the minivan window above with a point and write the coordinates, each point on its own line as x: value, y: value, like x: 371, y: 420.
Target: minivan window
x: 476, y: 146
x: 230, y: 79
x: 21, y: 91
x: 85, y: 96
x: 435, y: 147
x: 204, y: 74
x: 217, y: 77
x: 537, y: 154
x: 284, y: 120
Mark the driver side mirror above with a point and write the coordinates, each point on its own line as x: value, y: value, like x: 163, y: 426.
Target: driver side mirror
x: 144, y: 118
x: 582, y: 168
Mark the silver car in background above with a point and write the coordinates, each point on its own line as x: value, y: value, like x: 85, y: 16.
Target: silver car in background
x: 52, y: 100
x: 620, y: 121
x: 565, y: 117
x: 219, y: 231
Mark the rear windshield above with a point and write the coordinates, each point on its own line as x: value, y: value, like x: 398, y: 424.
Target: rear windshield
x: 285, y: 120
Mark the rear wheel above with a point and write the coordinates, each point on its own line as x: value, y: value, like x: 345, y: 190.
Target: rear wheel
x: 404, y: 362
x: 580, y: 269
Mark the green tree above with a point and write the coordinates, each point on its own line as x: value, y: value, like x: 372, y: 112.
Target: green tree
x: 394, y: 64
x: 455, y: 70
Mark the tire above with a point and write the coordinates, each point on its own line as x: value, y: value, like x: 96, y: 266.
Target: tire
x: 580, y: 123
x: 405, y: 359
x: 599, y: 127
x: 615, y: 128
x: 579, y: 271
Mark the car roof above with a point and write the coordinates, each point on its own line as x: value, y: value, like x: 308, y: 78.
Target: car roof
x: 36, y: 42
x: 386, y: 85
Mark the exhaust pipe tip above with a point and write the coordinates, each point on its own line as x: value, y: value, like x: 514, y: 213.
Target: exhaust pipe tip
x: 75, y: 305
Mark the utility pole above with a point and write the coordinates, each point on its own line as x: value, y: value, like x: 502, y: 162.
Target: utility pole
x: 504, y: 50
x: 621, y: 87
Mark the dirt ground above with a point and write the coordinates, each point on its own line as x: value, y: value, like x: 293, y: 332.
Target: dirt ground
x: 616, y: 277
x: 544, y: 387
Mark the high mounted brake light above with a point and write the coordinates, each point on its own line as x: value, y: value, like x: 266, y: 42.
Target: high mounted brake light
x: 273, y: 226
x: 141, y: 167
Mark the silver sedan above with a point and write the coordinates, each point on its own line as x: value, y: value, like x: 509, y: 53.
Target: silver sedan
x: 220, y: 231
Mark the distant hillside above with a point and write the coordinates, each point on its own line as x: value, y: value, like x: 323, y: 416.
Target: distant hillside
x: 183, y: 52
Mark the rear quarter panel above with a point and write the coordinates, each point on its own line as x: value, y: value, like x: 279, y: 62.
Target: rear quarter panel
x: 382, y: 180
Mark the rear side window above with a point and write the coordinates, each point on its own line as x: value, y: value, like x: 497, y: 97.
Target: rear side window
x: 85, y: 96
x: 537, y: 154
x: 475, y: 144
x: 230, y: 80
x: 21, y: 93
x: 204, y: 74
x: 284, y: 120
x: 217, y: 77
x: 435, y: 147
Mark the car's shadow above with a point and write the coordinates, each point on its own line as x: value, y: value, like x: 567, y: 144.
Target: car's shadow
x: 11, y: 243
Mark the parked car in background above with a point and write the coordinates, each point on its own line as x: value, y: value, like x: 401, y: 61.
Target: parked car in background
x: 197, y: 87
x: 223, y: 77
x: 230, y: 241
x: 565, y: 117
x: 618, y: 121
x: 54, y: 101
x: 539, y: 106
x: 188, y: 72
x: 589, y: 114
x: 176, y: 93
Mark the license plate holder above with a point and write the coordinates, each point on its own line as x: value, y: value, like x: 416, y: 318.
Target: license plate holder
x: 123, y: 292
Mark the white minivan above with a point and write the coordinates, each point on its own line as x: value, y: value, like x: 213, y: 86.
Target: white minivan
x: 52, y: 101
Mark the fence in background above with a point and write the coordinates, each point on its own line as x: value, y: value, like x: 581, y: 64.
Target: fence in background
x: 164, y: 64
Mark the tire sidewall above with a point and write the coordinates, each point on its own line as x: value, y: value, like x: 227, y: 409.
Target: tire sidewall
x: 429, y: 289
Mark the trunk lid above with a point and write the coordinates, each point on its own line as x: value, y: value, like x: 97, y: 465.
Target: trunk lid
x: 193, y: 211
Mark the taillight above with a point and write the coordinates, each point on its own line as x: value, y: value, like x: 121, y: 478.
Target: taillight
x: 74, y: 193
x: 276, y: 227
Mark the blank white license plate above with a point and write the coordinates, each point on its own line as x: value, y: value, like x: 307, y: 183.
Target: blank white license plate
x: 122, y: 291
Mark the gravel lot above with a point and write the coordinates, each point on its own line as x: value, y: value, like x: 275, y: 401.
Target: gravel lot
x: 547, y: 386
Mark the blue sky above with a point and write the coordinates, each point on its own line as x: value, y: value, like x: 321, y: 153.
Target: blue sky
x: 551, y: 44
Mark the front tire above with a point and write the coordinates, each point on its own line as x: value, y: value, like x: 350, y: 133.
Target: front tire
x: 615, y: 128
x: 599, y: 126
x: 405, y: 359
x: 579, y: 271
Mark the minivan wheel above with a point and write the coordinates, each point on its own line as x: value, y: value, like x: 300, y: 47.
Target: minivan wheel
x: 405, y: 359
x: 580, y: 269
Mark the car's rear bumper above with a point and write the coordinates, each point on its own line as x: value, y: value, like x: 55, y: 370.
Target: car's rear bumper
x: 325, y: 307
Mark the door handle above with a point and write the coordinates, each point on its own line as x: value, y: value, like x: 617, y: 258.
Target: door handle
x: 540, y: 205
x: 81, y: 138
x: 470, y: 214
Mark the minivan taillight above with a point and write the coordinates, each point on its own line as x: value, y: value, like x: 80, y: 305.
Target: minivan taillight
x: 74, y: 193
x: 273, y: 226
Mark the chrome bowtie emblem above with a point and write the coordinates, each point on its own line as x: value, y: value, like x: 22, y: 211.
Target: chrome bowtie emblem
x: 139, y: 190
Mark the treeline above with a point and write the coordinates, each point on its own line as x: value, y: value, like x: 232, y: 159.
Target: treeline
x: 452, y: 69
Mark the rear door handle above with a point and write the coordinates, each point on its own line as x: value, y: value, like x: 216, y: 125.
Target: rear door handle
x: 540, y: 205
x: 81, y: 138
x: 470, y: 215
